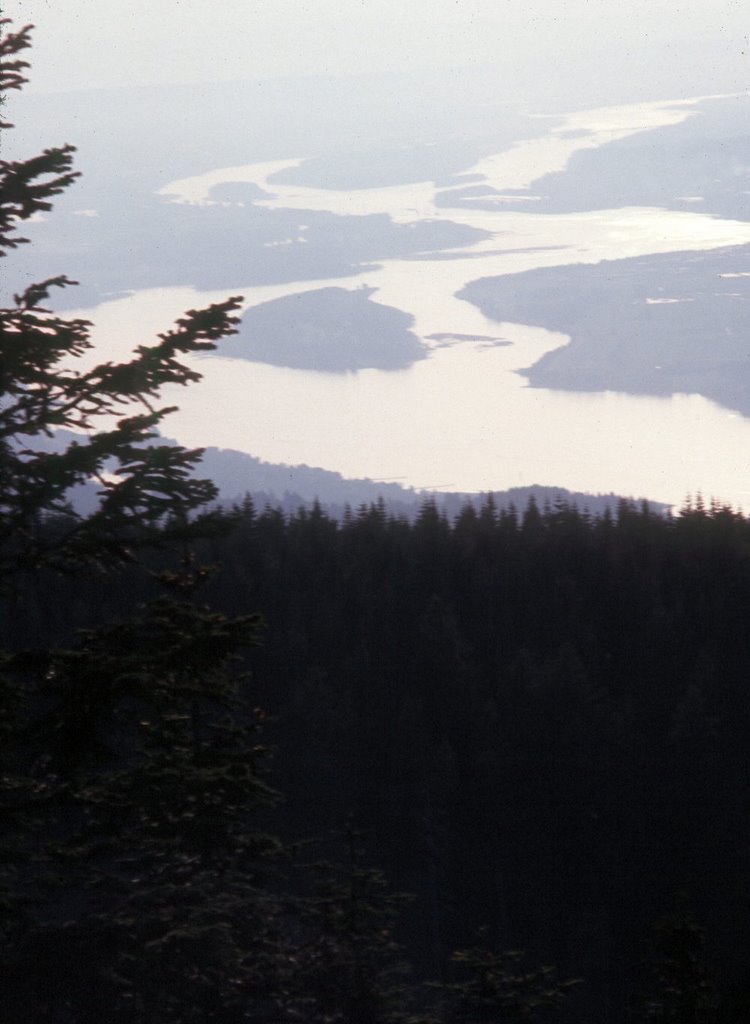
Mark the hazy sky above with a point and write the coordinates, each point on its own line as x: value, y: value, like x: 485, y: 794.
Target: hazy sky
x: 85, y: 43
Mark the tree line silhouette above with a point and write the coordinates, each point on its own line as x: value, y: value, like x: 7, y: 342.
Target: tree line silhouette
x: 534, y: 722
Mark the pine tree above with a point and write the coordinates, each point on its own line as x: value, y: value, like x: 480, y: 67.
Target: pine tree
x: 132, y: 879
x: 496, y: 988
x: 350, y: 969
x: 676, y: 987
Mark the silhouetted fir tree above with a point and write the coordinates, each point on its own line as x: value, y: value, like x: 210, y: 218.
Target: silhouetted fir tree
x: 350, y: 969
x: 434, y: 798
x: 132, y: 875
x: 676, y: 986
x: 496, y: 988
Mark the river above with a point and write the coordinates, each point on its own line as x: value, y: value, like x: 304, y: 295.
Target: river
x: 463, y: 419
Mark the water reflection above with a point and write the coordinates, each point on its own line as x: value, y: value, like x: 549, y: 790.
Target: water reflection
x: 463, y: 418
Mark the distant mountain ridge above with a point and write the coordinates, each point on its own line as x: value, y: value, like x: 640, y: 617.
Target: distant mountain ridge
x: 289, y: 488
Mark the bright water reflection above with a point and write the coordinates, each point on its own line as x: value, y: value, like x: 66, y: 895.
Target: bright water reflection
x: 464, y: 419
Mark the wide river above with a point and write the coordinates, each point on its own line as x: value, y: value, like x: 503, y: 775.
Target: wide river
x: 463, y: 419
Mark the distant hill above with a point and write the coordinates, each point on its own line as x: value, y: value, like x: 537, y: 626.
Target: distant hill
x: 700, y: 165
x: 290, y: 488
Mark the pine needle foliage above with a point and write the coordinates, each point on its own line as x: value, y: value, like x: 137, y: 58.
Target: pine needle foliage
x: 133, y: 881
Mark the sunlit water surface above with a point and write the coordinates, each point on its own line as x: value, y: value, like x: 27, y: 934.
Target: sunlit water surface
x: 463, y: 419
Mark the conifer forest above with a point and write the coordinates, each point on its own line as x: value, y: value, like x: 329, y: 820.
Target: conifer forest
x: 269, y: 768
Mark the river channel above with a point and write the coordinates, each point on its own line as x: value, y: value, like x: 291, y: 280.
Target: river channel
x: 463, y: 419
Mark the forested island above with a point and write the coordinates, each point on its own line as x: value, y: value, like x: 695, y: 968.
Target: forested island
x: 268, y: 767
x: 327, y: 329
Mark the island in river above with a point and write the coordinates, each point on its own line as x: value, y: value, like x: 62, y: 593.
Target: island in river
x: 329, y: 329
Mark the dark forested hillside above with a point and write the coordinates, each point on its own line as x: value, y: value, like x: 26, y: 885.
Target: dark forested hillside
x: 542, y: 718
x: 539, y: 720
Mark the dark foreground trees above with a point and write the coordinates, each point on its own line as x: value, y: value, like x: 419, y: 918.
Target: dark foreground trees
x: 132, y: 875
x: 538, y: 720
x: 540, y: 716
x: 137, y: 881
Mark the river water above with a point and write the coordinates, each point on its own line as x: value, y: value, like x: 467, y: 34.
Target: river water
x: 463, y: 419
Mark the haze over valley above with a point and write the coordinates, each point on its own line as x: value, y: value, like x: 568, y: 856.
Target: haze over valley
x: 445, y: 286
